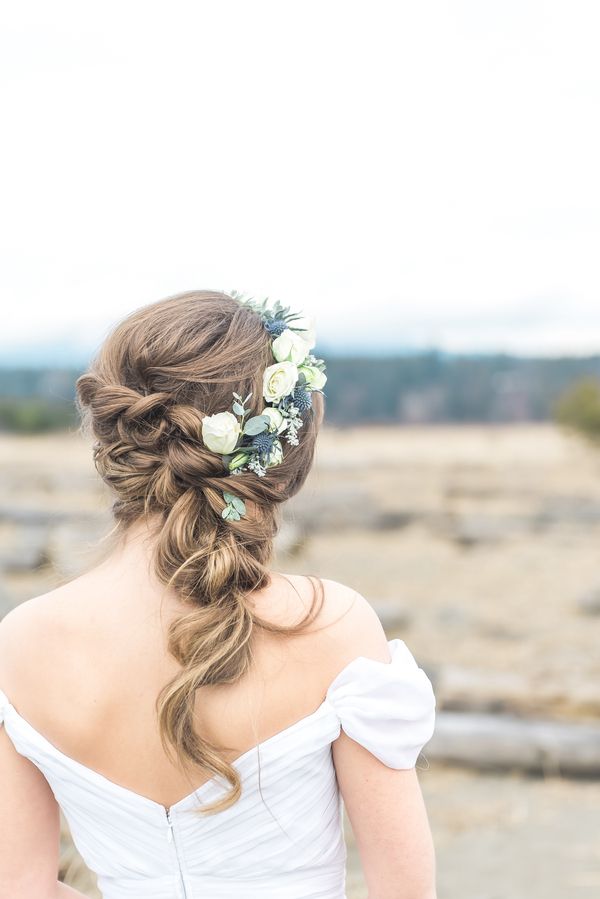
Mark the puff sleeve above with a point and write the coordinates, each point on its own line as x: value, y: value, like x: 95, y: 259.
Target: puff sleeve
x: 387, y: 707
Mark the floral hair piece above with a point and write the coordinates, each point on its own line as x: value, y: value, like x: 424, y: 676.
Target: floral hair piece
x: 256, y: 444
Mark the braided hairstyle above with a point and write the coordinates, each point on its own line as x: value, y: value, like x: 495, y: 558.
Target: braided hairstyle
x: 142, y: 400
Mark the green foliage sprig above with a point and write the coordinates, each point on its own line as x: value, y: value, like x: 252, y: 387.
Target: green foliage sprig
x: 255, y: 444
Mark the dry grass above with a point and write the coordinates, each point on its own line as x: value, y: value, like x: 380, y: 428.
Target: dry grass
x: 500, y: 537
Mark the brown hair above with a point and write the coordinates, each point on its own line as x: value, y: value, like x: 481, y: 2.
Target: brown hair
x: 154, y: 378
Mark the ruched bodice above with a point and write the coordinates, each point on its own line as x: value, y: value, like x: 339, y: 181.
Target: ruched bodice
x: 284, y: 838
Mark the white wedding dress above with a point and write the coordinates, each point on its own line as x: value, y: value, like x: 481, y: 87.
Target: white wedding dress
x: 284, y: 838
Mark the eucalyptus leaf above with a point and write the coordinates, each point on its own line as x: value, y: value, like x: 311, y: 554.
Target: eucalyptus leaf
x: 239, y: 505
x: 230, y: 513
x: 256, y: 424
x: 238, y: 409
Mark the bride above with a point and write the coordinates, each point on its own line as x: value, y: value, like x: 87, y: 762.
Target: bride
x: 201, y: 719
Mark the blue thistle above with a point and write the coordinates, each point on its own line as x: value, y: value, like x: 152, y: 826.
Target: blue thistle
x: 276, y: 326
x: 263, y: 443
x: 302, y: 399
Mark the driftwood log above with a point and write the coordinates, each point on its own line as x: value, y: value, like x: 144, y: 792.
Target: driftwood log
x: 504, y: 742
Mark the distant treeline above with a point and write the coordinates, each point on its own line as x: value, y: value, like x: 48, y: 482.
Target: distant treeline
x: 420, y: 387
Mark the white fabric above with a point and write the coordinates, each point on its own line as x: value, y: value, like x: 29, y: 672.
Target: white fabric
x: 284, y: 838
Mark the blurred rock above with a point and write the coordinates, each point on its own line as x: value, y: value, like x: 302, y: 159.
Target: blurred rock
x: 335, y: 508
x: 394, y: 617
x: 290, y: 539
x: 482, y: 690
x: 560, y: 510
x: 589, y: 603
x: 27, y: 550
x: 394, y: 520
x: 470, y: 530
x: 37, y: 515
x: 454, y: 617
x: 497, y: 631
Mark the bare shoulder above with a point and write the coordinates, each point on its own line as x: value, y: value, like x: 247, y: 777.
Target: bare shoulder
x: 346, y: 627
x: 31, y: 637
x: 22, y: 622
x: 355, y: 628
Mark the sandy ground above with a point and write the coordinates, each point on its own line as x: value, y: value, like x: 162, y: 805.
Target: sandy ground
x: 507, y: 837
x: 489, y: 550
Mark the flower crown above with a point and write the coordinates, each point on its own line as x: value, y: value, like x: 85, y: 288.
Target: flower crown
x: 256, y: 444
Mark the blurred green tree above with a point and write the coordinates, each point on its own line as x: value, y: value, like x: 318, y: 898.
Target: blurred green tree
x: 33, y: 415
x: 578, y: 408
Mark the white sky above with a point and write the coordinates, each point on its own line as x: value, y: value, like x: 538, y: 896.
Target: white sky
x: 411, y: 173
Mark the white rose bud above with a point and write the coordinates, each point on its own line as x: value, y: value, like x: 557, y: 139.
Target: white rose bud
x: 220, y: 432
x: 315, y: 378
x: 276, y: 454
x: 290, y: 347
x: 277, y: 421
x: 279, y: 380
x: 238, y: 460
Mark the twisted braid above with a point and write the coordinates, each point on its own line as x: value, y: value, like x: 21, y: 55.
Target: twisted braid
x: 154, y: 379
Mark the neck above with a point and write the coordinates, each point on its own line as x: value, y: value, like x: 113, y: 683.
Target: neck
x: 130, y: 559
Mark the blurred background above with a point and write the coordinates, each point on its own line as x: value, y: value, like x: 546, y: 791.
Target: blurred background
x: 423, y: 179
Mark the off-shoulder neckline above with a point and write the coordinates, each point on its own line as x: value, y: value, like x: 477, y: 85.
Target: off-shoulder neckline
x: 93, y: 774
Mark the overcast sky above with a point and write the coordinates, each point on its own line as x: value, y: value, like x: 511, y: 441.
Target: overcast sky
x: 410, y: 173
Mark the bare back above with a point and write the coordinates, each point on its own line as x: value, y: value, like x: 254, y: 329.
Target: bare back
x: 88, y: 660
x: 84, y: 664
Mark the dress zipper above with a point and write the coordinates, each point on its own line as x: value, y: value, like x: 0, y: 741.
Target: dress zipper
x: 171, y: 839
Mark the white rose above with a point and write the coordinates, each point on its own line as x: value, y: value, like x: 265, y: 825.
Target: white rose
x: 315, y: 378
x: 220, y: 432
x: 279, y: 380
x: 290, y: 347
x: 277, y: 422
x: 276, y: 454
x: 306, y: 326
